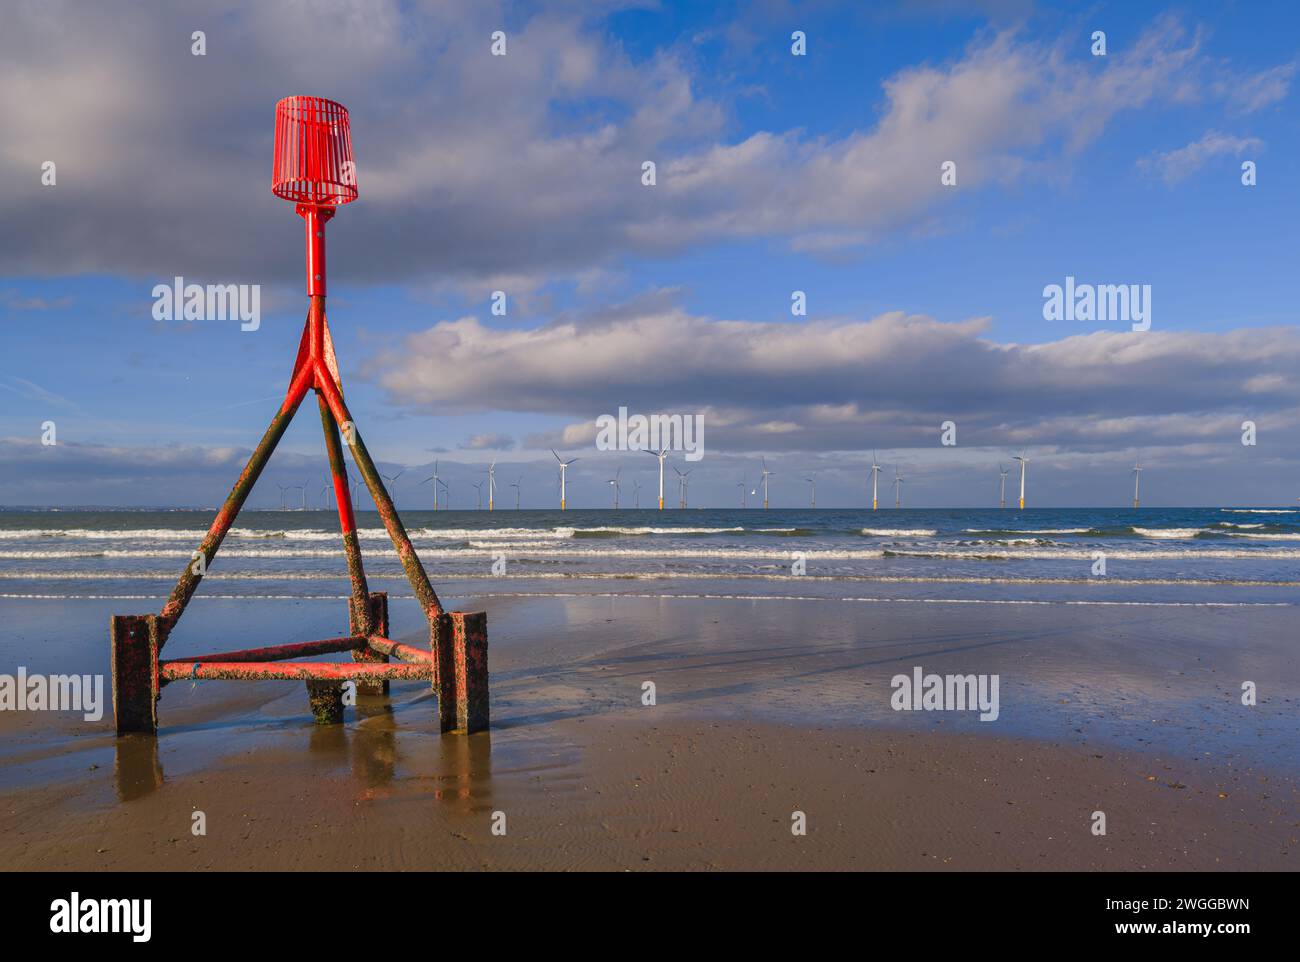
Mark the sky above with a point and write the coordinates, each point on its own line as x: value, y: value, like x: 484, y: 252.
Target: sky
x: 775, y: 173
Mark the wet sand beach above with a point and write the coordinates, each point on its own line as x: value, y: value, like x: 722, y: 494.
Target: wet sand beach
x: 763, y: 709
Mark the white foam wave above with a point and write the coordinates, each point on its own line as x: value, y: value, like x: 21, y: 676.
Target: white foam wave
x: 322, y: 534
x: 647, y: 530
x: 1054, y: 554
x: 484, y: 551
x: 1027, y: 530
x: 703, y: 596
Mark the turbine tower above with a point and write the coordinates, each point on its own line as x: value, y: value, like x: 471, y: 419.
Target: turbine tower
x: 478, y: 486
x: 613, y: 482
x: 519, y: 487
x: 283, y: 488
x: 304, y: 494
x: 744, y: 491
x: 682, y: 482
x: 636, y: 491
x: 434, y: 478
x: 1137, y: 477
x: 392, y: 483
x: 813, y: 482
x: 564, y: 468
x: 1002, y: 500
x: 1023, y: 461
x: 660, y: 455
x: 875, y: 474
x: 766, y: 475
x: 898, y: 489
x: 492, y: 485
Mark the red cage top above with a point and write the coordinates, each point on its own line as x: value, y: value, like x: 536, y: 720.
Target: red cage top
x: 313, y: 153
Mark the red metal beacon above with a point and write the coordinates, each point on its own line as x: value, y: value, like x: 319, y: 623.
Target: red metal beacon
x: 314, y: 168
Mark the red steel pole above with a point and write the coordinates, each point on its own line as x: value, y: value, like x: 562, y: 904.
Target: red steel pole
x: 291, y: 671
x: 415, y: 573
x: 302, y: 649
x: 398, y: 650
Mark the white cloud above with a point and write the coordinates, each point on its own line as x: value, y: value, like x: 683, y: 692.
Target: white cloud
x: 1177, y: 165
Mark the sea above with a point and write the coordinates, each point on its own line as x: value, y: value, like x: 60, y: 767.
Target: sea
x: 1165, y: 556
x: 1129, y: 627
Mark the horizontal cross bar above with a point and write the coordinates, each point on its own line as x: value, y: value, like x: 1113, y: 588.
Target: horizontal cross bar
x: 386, y: 646
x: 300, y: 649
x: 291, y: 671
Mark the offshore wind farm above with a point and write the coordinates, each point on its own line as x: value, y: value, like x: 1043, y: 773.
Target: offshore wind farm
x: 437, y: 496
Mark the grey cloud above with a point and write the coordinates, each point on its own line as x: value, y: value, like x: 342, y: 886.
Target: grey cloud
x: 101, y: 474
x: 837, y: 385
x: 475, y: 167
x: 488, y: 442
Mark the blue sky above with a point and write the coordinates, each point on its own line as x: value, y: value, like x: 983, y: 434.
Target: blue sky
x: 775, y: 173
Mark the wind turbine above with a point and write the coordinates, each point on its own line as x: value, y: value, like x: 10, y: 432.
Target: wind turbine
x: 1003, y: 497
x: 636, y: 491
x: 660, y: 455
x: 356, y: 486
x: 898, y: 489
x: 392, y: 483
x: 813, y: 482
x: 875, y: 471
x: 478, y: 486
x: 283, y: 488
x: 434, y: 478
x: 304, y: 495
x: 492, y: 485
x: 613, y: 482
x: 519, y: 487
x: 744, y: 491
x: 564, y: 469
x: 1137, y: 477
x: 1023, y: 461
x: 683, y: 487
x: 325, y: 495
x: 766, y: 474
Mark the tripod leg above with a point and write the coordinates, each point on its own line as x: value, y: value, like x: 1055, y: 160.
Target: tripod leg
x: 415, y: 574
x: 363, y: 616
x: 348, y: 525
x: 190, y: 578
